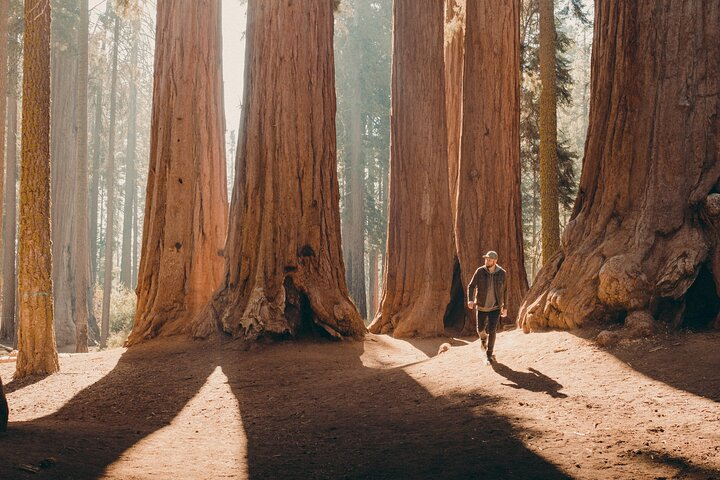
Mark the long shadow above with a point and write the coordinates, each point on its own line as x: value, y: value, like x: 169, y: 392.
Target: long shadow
x: 687, y: 361
x: 312, y: 412
x: 18, y: 384
x: 532, y: 380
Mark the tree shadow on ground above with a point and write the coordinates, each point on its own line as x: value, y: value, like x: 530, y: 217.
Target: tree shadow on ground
x: 532, y: 380
x: 18, y: 384
x: 308, y: 411
x: 684, y: 360
x: 685, y: 468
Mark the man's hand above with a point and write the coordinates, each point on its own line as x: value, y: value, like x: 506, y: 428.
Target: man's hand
x: 471, y: 305
x: 503, y: 312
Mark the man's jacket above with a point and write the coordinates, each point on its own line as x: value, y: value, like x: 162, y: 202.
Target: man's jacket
x: 477, y: 289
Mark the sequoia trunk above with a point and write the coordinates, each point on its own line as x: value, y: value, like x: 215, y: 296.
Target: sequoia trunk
x: 643, y: 235
x: 420, y: 250
x: 186, y: 206
x: 284, y: 268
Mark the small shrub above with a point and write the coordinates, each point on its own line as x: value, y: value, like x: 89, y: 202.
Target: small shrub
x: 122, y: 312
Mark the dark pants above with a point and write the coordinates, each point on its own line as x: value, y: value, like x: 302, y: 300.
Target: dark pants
x: 487, y: 322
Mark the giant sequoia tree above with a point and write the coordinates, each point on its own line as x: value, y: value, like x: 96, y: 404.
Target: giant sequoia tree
x: 644, y: 231
x: 419, y: 262
x: 284, y: 269
x: 186, y: 206
x: 36, y: 335
x: 489, y: 201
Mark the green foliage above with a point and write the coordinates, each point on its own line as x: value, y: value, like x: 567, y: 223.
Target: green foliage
x: 363, y: 36
x: 122, y: 312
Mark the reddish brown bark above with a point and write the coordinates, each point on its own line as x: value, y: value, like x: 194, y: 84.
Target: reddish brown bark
x: 36, y: 336
x: 420, y: 250
x: 284, y: 269
x: 186, y: 206
x: 489, y: 202
x: 644, y: 226
x: 454, y: 58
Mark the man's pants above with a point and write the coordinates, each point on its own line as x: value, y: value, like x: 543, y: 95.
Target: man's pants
x: 487, y: 322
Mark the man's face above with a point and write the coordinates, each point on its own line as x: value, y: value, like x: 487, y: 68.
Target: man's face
x: 490, y: 262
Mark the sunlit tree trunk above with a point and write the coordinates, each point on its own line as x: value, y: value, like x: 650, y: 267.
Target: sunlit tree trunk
x: 36, y: 337
x: 284, y: 269
x: 549, y: 172
x: 643, y: 236
x: 489, y: 208
x: 95, y: 183
x: 454, y: 58
x: 186, y: 206
x: 420, y: 250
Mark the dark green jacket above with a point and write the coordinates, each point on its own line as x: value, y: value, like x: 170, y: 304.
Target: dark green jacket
x: 477, y: 289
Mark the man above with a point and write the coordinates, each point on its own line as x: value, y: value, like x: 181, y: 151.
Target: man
x: 487, y: 292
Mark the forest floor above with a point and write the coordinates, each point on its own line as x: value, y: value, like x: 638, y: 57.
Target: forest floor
x: 554, y: 405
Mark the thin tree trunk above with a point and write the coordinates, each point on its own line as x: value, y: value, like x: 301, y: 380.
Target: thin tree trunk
x: 10, y: 228
x: 95, y: 185
x: 186, y: 204
x: 355, y: 239
x: 36, y: 337
x: 643, y: 236
x: 81, y: 265
x: 110, y: 193
x: 489, y: 208
x: 130, y: 180
x: 420, y: 250
x: 63, y: 155
x: 135, y: 258
x: 284, y: 268
x: 374, y: 296
x: 549, y: 171
x: 4, y: 410
x: 4, y: 18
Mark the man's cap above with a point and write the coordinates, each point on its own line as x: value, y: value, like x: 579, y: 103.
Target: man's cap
x: 491, y: 254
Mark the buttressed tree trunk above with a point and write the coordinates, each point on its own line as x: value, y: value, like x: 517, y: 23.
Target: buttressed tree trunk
x: 284, y: 270
x: 186, y: 206
x: 643, y: 235
x: 489, y: 202
x: 36, y: 337
x: 419, y: 262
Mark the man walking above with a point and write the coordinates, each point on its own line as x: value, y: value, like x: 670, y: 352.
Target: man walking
x: 487, y: 292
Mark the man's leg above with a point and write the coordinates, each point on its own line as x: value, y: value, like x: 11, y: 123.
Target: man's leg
x: 492, y: 322
x: 481, y: 319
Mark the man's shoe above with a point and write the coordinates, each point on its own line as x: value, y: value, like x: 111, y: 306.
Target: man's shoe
x: 491, y: 359
x: 483, y: 341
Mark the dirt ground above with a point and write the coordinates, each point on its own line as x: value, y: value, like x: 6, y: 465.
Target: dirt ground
x: 553, y: 406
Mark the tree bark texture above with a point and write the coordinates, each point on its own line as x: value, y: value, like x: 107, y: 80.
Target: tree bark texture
x: 284, y: 270
x: 110, y: 189
x: 81, y: 257
x: 420, y: 249
x: 36, y: 337
x: 454, y: 58
x: 549, y: 171
x: 186, y: 206
x: 63, y: 146
x: 645, y: 221
x: 9, y: 284
x: 489, y: 202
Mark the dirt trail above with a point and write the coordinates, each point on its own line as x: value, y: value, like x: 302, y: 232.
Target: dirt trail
x: 553, y: 406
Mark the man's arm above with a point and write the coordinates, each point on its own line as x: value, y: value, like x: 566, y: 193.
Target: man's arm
x: 471, y: 287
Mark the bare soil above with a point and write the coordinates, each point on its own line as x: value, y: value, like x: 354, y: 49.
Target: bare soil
x: 553, y: 406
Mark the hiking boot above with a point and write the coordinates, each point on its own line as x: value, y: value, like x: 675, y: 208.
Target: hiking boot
x: 483, y: 341
x: 491, y: 359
